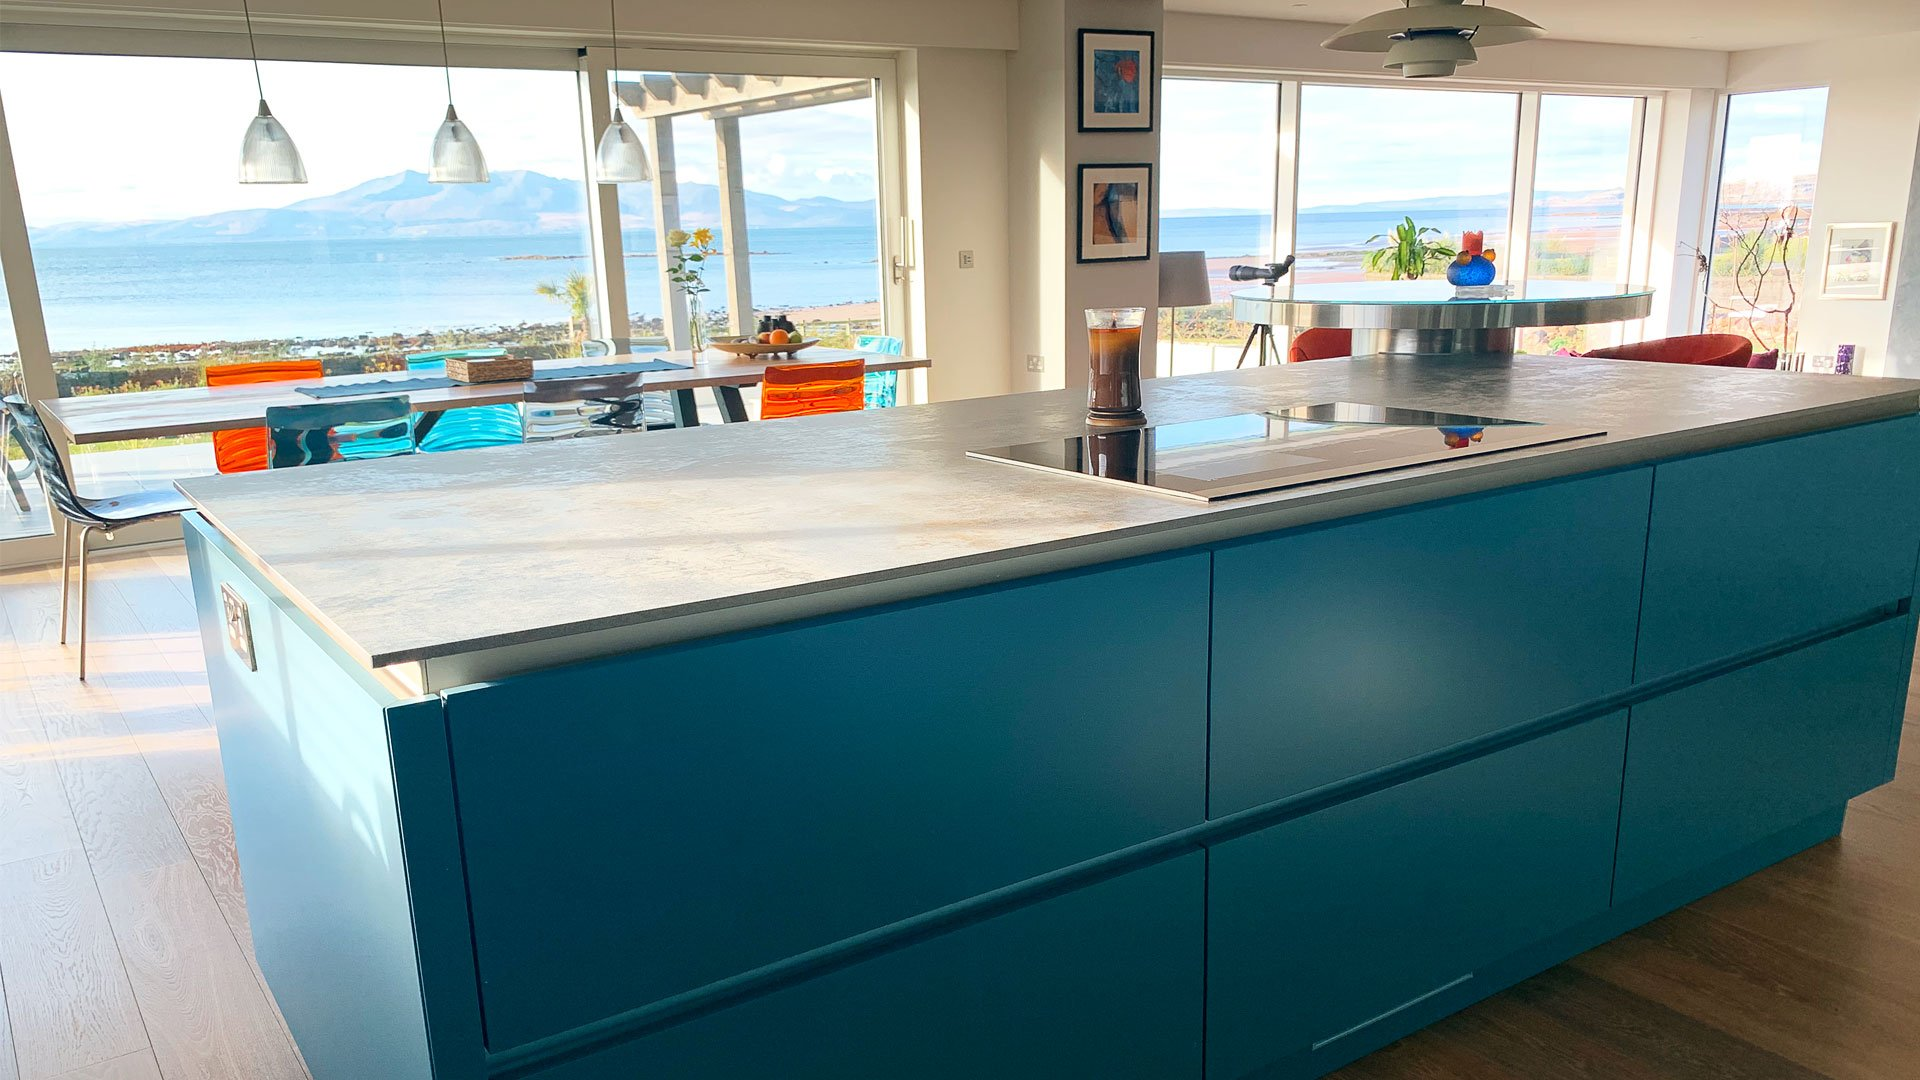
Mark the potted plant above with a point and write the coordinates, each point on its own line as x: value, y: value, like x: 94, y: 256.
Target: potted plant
x: 1409, y: 251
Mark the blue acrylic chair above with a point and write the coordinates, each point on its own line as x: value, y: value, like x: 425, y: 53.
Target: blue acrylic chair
x: 102, y: 515
x: 338, y: 431
x: 883, y: 387
x: 471, y: 427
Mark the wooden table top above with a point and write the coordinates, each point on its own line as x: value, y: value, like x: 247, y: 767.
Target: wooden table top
x: 152, y: 414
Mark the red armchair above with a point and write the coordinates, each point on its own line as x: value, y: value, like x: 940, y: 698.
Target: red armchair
x: 1710, y: 350
x: 1320, y: 343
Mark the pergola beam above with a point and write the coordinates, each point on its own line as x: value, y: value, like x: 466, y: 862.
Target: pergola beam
x: 717, y: 96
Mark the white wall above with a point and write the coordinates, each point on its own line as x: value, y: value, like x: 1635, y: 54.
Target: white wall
x: 1866, y: 168
x: 957, y: 114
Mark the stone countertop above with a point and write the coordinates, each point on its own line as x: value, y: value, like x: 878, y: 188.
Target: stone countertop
x: 683, y: 533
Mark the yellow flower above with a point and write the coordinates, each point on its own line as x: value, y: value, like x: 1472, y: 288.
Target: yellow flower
x: 678, y: 237
x: 703, y: 237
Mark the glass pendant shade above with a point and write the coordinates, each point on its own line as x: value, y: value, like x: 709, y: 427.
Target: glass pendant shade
x: 267, y: 153
x: 456, y: 156
x: 622, y: 156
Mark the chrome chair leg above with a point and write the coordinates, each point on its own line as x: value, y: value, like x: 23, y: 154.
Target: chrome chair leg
x: 85, y: 532
x: 66, y: 551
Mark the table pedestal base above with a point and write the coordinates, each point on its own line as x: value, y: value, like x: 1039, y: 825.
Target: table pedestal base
x: 1434, y: 344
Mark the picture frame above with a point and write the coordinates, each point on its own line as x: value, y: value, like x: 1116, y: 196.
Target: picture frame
x: 1858, y: 260
x: 1117, y: 87
x: 1115, y: 211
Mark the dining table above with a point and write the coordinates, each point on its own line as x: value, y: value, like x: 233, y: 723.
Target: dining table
x: 152, y: 414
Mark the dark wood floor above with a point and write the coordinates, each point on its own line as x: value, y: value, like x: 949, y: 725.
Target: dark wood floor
x: 124, y: 951
x: 1808, y: 969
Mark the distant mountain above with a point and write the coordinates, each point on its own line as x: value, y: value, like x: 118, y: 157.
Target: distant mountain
x: 518, y: 202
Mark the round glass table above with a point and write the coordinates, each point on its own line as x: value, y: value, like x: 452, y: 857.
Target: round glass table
x: 1431, y: 317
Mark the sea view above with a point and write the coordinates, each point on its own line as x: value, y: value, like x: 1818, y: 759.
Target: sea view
x: 117, y: 295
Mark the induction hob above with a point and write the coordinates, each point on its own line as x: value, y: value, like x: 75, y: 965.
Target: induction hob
x: 1249, y: 453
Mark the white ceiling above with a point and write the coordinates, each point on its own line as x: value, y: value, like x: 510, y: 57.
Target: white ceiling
x: 1689, y: 24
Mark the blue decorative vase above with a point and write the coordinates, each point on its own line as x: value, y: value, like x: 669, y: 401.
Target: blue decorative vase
x: 1477, y: 270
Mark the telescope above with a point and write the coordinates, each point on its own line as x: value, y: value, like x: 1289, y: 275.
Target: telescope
x: 1269, y: 274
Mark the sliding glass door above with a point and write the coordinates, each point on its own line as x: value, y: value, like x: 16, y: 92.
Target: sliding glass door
x: 154, y: 264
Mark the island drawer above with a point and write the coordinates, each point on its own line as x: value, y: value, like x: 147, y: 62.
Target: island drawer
x: 1324, y: 927
x: 1760, y: 544
x: 641, y: 827
x: 1104, y: 982
x: 1341, y: 649
x: 1724, y: 764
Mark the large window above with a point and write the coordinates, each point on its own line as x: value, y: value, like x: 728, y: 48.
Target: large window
x: 808, y: 179
x: 1769, y: 161
x: 153, y: 262
x: 1218, y: 152
x: 1581, y: 229
x: 1372, y: 157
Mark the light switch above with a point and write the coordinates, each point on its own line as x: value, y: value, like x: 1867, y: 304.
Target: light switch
x: 239, y: 625
x: 966, y: 260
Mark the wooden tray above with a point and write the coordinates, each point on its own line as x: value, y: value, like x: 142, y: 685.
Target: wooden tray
x: 739, y: 347
x: 489, y: 369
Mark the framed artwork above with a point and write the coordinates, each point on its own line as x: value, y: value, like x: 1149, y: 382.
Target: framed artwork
x: 1116, y: 80
x: 1858, y: 257
x: 1116, y: 212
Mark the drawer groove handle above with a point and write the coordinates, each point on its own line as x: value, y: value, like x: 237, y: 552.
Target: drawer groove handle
x: 1400, y: 1008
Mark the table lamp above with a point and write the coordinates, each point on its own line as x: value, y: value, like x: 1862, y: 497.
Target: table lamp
x: 1183, y: 283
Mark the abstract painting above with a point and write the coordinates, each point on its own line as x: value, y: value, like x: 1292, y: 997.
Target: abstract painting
x: 1116, y: 80
x: 1116, y: 212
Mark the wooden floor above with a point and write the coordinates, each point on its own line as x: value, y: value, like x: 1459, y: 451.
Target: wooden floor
x: 124, y: 952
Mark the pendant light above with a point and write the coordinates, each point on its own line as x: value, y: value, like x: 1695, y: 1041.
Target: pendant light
x: 622, y: 156
x: 456, y: 156
x: 267, y: 153
x: 1427, y: 39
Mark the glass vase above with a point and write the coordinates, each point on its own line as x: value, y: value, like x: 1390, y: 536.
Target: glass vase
x: 696, y: 325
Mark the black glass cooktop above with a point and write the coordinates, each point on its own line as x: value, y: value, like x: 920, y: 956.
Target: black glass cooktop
x: 1248, y: 453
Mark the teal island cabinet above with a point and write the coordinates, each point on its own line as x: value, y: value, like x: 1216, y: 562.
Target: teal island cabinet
x: 817, y: 749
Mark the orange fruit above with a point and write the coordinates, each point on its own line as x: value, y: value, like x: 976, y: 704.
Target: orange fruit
x: 779, y: 337
x: 765, y: 339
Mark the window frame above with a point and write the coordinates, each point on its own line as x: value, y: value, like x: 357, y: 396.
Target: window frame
x: 895, y: 230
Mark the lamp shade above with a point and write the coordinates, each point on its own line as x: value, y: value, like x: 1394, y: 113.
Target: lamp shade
x: 456, y: 156
x: 267, y: 153
x: 1430, y: 55
x: 622, y: 156
x: 1482, y: 24
x: 1183, y: 279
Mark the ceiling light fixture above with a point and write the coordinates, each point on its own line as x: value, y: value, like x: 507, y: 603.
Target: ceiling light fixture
x: 622, y: 157
x: 1428, y: 39
x: 267, y: 153
x: 456, y: 156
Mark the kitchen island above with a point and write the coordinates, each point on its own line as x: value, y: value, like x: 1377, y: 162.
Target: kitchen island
x: 818, y: 749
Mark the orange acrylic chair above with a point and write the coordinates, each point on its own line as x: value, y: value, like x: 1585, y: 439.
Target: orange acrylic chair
x: 246, y: 450
x: 807, y: 389
x: 1320, y: 343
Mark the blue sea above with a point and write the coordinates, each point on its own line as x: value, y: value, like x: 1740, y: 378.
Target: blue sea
x: 105, y: 297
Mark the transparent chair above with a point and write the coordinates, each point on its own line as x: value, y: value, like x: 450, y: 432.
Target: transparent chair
x: 656, y: 406
x: 583, y: 408
x: 471, y: 427
x: 102, y: 515
x: 246, y: 450
x: 883, y: 387
x: 299, y: 435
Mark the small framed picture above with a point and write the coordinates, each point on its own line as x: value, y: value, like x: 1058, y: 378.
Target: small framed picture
x: 1116, y: 212
x: 1116, y: 80
x: 1858, y: 255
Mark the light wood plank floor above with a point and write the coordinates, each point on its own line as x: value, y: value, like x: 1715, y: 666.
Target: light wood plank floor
x: 125, y: 955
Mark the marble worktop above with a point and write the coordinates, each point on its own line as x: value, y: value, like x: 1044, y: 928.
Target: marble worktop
x: 512, y: 552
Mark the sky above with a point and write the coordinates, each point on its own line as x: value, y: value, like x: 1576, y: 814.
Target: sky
x: 170, y: 129
x: 173, y: 127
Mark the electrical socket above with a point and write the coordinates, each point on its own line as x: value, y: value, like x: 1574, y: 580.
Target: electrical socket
x: 966, y: 260
x: 1036, y: 363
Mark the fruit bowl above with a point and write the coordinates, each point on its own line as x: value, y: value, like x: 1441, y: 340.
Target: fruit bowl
x: 739, y: 346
